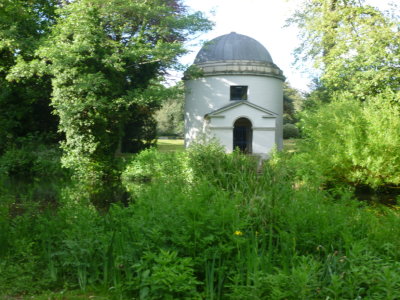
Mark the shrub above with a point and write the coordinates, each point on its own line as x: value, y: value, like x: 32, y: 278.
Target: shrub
x: 165, y: 275
x: 31, y: 161
x: 150, y: 166
x: 290, y: 131
x: 352, y: 142
x: 229, y: 232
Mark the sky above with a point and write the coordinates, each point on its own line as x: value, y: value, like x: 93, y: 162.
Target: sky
x: 262, y: 20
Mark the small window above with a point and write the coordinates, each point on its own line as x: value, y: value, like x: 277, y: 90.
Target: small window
x: 239, y: 92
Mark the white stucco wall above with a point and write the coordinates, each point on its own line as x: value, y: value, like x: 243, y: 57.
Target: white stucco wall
x: 263, y: 140
x: 207, y: 94
x: 263, y: 128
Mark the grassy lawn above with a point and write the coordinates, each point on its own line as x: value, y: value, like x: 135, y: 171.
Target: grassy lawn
x: 178, y: 145
x: 290, y: 145
x: 170, y: 145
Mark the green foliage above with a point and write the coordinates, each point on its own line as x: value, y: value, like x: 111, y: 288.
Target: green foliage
x: 153, y: 166
x: 300, y: 282
x: 101, y: 64
x: 205, y: 224
x: 211, y: 162
x: 193, y: 72
x: 104, y: 61
x: 350, y: 119
x: 319, y: 94
x: 292, y: 102
x: 290, y: 131
x: 351, y: 142
x: 200, y: 223
x: 354, y: 46
x: 30, y: 160
x: 170, y: 117
x: 165, y: 276
x: 139, y: 132
x: 24, y: 105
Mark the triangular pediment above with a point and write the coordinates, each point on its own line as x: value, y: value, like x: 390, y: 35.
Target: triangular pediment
x: 237, y: 104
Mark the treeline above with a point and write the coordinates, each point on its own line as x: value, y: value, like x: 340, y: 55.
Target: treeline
x: 350, y: 121
x: 87, y: 74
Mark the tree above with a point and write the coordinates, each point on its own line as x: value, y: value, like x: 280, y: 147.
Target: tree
x: 24, y: 104
x: 292, y: 102
x: 350, y: 121
x: 354, y: 142
x: 105, y: 59
x: 354, y: 46
x: 170, y: 116
x: 319, y: 94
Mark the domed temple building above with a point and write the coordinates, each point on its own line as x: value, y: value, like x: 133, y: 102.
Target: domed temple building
x: 236, y: 97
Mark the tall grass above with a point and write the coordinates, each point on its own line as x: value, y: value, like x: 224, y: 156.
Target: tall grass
x: 204, y: 224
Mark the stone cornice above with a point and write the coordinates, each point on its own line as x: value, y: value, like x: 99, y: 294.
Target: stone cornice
x: 238, y: 67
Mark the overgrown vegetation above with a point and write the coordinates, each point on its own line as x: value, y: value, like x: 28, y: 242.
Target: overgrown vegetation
x: 350, y: 120
x: 196, y: 224
x: 362, y: 149
x: 170, y: 117
x: 205, y: 224
x: 97, y: 65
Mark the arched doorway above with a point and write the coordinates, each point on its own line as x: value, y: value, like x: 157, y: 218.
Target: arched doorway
x: 243, y: 135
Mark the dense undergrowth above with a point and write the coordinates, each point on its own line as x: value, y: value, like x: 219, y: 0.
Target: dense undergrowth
x: 201, y: 224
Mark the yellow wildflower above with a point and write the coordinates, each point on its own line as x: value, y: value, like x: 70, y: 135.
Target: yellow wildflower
x: 238, y: 232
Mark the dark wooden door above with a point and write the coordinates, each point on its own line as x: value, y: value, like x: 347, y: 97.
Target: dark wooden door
x: 240, y: 138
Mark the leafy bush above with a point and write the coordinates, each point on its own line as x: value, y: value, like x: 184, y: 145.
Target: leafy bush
x: 353, y: 142
x: 165, y: 276
x: 224, y: 232
x: 290, y: 131
x: 152, y: 166
x: 170, y: 117
x: 30, y: 160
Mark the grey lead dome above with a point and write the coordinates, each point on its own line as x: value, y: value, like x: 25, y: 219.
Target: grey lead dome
x: 233, y: 46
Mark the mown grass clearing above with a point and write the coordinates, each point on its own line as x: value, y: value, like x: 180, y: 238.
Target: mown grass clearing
x: 170, y: 145
x: 290, y: 145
